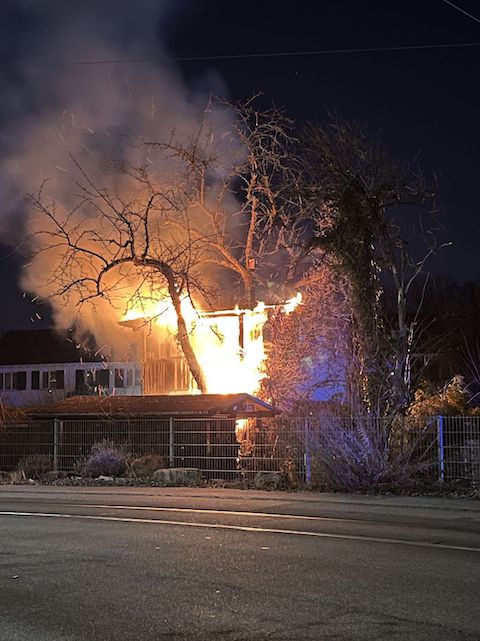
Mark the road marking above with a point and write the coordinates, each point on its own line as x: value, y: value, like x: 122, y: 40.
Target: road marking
x: 191, y: 510
x: 244, y: 528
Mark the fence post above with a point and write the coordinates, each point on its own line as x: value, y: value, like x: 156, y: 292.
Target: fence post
x: 171, y: 444
x: 441, y: 449
x: 308, y: 459
x: 56, y: 439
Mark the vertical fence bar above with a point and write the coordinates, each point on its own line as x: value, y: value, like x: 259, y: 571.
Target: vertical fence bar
x: 441, y: 449
x: 308, y: 458
x: 171, y: 444
x: 56, y: 437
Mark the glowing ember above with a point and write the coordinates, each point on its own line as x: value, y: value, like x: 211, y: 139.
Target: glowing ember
x: 292, y: 303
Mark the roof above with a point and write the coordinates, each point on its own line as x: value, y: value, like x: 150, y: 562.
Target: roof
x: 234, y: 405
x: 36, y: 346
x: 10, y: 415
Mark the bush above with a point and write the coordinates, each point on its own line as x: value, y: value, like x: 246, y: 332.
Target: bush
x: 17, y: 477
x: 35, y: 466
x: 106, y: 459
x: 366, y: 455
x: 80, y: 466
x: 148, y: 464
x: 452, y: 400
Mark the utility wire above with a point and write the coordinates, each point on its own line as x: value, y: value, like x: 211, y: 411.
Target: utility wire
x: 462, y: 10
x: 245, y: 56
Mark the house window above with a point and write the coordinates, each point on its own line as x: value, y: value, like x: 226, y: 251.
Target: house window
x: 89, y: 381
x: 35, y: 382
x: 102, y: 377
x: 8, y: 380
x: 1, y: 380
x: 60, y: 379
x: 53, y: 380
x: 81, y: 385
x: 119, y: 378
x: 19, y: 380
x: 138, y: 376
x: 129, y: 380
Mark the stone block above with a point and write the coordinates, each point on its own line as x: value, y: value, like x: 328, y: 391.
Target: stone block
x: 174, y: 476
x: 267, y: 480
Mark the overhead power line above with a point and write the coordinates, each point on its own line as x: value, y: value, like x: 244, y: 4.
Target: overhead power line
x: 462, y: 10
x: 240, y: 56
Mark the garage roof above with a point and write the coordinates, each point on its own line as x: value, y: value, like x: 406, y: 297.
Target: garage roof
x: 232, y: 405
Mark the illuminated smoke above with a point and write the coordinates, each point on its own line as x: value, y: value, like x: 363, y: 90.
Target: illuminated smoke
x: 96, y: 113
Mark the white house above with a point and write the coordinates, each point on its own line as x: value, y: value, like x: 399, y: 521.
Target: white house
x: 39, y: 367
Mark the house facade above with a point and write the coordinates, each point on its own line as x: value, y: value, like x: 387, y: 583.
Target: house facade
x: 41, y: 367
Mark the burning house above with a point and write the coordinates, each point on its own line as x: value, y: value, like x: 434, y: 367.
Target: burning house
x: 228, y: 344
x: 40, y: 367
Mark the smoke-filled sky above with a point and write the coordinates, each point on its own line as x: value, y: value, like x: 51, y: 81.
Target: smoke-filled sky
x: 89, y: 112
x: 426, y: 102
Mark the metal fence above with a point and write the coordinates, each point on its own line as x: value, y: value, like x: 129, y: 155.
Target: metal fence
x: 207, y: 444
x: 20, y: 440
x: 221, y: 448
x: 446, y: 448
x: 459, y: 448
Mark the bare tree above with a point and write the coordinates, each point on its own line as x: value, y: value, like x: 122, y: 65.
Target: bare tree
x: 148, y: 225
x: 118, y: 247
x: 239, y: 217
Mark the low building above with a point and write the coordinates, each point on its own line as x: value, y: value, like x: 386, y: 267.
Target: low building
x: 41, y: 367
x: 187, y: 406
x: 12, y: 416
x: 191, y: 430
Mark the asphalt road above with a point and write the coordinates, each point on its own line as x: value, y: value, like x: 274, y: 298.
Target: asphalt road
x: 115, y: 564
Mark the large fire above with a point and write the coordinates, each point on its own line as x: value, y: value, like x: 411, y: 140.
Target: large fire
x: 228, y: 344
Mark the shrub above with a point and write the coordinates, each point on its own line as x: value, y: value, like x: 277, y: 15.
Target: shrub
x: 80, y: 466
x: 35, y: 466
x: 17, y: 477
x: 106, y: 459
x: 365, y: 454
x: 452, y: 400
x: 146, y: 465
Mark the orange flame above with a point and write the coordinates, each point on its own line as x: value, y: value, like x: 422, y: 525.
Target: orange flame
x: 228, y: 344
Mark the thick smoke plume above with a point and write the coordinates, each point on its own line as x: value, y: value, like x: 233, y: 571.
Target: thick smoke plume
x: 52, y: 113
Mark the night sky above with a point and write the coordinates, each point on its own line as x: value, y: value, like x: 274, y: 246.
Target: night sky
x: 426, y: 102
